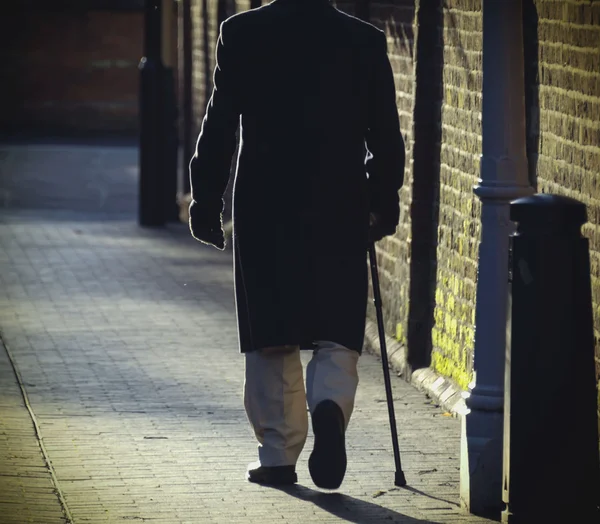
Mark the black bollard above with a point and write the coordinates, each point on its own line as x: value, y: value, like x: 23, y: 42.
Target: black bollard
x: 170, y: 146
x: 152, y: 186
x: 551, y: 458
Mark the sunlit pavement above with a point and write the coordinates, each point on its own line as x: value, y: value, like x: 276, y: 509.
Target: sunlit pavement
x: 125, y: 344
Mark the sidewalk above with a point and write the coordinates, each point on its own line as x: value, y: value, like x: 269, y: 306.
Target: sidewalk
x: 126, y: 344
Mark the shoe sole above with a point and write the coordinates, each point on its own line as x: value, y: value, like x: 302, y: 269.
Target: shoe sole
x: 279, y: 481
x: 327, y: 462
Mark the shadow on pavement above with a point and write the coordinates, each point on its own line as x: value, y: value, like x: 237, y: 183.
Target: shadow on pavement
x: 59, y: 176
x: 422, y: 493
x: 349, y: 508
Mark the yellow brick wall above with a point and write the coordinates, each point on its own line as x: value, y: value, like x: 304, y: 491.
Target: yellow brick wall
x: 459, y: 209
x: 568, y: 125
x: 397, y: 19
x: 455, y: 210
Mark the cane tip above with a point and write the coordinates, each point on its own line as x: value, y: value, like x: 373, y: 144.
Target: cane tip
x: 400, y: 479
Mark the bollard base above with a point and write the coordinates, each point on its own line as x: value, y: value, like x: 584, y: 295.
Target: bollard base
x: 400, y: 479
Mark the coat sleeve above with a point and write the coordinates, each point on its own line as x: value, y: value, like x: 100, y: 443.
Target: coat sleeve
x: 211, y: 164
x: 386, y: 154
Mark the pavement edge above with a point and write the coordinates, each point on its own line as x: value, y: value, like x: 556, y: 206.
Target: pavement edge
x: 446, y: 393
x: 25, y: 397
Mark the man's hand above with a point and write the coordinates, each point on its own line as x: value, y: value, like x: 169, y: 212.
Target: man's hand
x: 378, y: 228
x: 206, y: 225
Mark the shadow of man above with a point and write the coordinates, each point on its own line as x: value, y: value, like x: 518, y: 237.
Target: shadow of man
x: 349, y: 508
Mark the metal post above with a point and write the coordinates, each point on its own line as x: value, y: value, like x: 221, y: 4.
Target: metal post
x: 551, y: 466
x: 504, y: 178
x: 151, y: 209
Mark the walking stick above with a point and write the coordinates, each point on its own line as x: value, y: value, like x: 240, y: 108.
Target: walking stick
x: 399, y: 479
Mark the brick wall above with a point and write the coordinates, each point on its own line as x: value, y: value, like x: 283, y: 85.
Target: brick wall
x: 429, y: 267
x: 459, y: 210
x: 397, y: 19
x: 565, y: 113
x: 562, y: 60
x: 70, y: 71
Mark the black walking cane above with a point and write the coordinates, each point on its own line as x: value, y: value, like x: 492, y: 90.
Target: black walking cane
x: 399, y: 479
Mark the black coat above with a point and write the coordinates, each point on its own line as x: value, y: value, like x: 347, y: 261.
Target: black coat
x: 311, y: 87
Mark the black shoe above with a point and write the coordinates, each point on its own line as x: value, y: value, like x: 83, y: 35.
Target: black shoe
x: 272, y: 476
x: 327, y: 462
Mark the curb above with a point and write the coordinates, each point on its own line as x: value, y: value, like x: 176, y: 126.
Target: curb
x: 442, y: 390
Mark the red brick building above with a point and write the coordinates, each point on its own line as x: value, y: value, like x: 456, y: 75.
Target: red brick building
x: 71, y: 66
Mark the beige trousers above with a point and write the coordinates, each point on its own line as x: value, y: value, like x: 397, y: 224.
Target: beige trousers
x: 275, y: 397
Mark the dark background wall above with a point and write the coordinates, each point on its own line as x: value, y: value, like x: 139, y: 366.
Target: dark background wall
x: 70, y: 68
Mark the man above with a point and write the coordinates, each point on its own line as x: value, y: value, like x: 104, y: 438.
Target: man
x: 310, y: 87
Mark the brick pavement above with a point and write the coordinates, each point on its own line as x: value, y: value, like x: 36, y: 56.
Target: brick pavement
x: 126, y: 344
x: 27, y: 489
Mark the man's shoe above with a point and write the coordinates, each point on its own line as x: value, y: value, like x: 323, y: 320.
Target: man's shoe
x: 327, y: 462
x: 271, y: 475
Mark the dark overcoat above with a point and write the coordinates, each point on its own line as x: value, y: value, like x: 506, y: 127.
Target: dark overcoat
x: 313, y: 91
